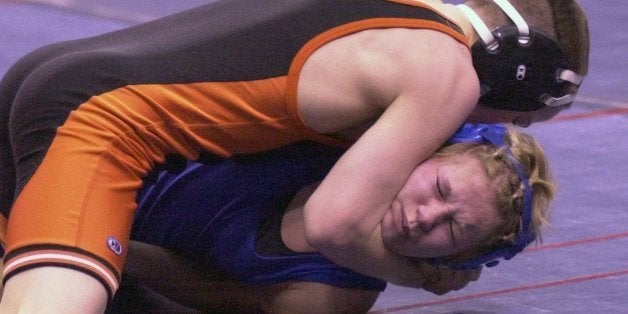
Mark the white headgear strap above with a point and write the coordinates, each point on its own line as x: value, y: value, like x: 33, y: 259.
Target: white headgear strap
x: 485, y: 33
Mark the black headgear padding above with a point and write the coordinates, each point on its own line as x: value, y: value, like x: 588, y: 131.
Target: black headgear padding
x: 518, y: 76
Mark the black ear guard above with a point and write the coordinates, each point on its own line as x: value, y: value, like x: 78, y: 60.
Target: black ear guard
x: 521, y: 77
x: 520, y: 68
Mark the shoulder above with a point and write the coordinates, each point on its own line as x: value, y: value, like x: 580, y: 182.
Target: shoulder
x: 353, y: 79
x: 418, y: 63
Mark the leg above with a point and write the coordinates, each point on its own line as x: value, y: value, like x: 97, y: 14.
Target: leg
x: 206, y: 288
x: 42, y: 229
x: 41, y: 284
x: 86, y: 127
x: 190, y: 283
x: 79, y: 168
x: 10, y: 87
x: 81, y: 293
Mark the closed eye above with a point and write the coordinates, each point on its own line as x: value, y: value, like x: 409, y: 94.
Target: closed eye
x: 439, y: 188
x: 443, y: 186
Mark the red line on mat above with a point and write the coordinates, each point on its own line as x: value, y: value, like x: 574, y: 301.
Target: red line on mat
x: 526, y: 287
x: 577, y: 242
x: 548, y: 284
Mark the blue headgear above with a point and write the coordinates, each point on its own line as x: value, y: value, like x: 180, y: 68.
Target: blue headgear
x: 520, y: 68
x: 494, y: 134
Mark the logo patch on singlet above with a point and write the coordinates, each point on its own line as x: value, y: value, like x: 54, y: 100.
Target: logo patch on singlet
x: 521, y: 72
x: 114, y: 245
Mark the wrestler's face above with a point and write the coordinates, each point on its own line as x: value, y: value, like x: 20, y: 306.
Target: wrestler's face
x: 482, y: 114
x: 446, y: 206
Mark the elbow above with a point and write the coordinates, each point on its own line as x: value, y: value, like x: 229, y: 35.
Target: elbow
x: 325, y: 233
x: 320, y: 237
x: 327, y: 242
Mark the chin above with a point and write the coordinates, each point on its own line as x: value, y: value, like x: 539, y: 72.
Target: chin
x: 404, y: 251
x: 393, y: 245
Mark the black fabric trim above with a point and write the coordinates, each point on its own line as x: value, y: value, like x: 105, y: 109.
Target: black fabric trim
x: 268, y: 241
x: 41, y: 247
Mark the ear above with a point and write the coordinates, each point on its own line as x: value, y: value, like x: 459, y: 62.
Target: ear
x: 572, y: 30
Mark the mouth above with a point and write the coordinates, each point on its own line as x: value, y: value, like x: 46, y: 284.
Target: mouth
x: 405, y: 226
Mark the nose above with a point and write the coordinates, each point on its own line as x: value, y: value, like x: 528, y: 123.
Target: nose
x: 431, y: 215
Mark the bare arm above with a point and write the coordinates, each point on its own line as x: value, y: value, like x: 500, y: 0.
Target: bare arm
x: 433, y: 97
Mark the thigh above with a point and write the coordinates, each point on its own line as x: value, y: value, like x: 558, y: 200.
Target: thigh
x: 75, y: 162
x: 205, y: 287
x: 10, y: 86
x: 192, y: 284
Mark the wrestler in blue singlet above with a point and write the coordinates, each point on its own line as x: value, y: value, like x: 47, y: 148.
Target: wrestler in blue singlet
x: 228, y: 213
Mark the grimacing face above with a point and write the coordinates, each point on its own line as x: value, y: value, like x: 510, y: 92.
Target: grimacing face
x: 447, y: 206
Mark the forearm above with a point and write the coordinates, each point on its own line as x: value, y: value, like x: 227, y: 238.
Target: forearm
x: 371, y: 257
x: 343, y: 216
x: 404, y: 271
x: 312, y: 297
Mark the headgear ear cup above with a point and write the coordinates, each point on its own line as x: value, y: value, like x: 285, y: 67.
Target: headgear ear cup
x: 494, y: 134
x: 517, y: 77
x: 520, y: 68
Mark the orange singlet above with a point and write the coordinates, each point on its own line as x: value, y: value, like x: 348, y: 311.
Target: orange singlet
x: 91, y: 117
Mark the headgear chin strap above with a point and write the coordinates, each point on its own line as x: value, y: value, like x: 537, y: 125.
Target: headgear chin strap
x: 495, y: 134
x: 520, y: 68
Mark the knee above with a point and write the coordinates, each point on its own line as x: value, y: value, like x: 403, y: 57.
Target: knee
x: 47, y: 87
x: 22, y: 69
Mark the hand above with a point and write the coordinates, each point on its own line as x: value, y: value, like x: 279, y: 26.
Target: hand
x: 440, y: 280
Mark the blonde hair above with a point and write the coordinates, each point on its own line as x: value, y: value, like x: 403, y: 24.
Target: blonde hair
x: 563, y: 20
x: 510, y: 190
